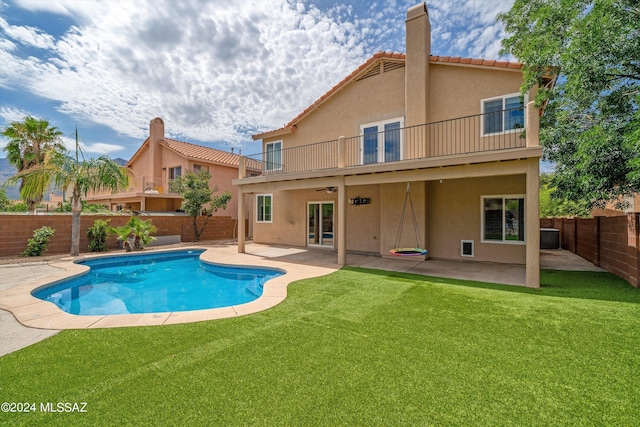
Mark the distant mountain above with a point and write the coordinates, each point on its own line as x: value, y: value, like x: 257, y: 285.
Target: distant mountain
x: 7, y: 170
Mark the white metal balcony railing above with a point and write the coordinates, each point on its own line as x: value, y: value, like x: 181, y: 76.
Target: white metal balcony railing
x: 463, y: 135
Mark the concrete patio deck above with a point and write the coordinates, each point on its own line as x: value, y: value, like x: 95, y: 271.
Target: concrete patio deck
x: 39, y: 319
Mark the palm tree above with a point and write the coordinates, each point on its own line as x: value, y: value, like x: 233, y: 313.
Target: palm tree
x: 60, y: 169
x: 28, y: 142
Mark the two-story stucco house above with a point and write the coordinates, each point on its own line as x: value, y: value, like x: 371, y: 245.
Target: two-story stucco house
x: 158, y: 161
x: 455, y: 132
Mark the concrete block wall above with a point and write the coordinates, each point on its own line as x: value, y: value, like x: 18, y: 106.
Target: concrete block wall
x: 611, y: 242
x: 15, y: 230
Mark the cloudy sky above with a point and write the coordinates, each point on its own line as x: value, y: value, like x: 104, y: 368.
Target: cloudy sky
x: 216, y: 71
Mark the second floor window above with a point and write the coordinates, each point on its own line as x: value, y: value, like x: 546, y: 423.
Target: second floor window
x: 273, y: 155
x: 175, y: 172
x: 503, y: 114
x: 382, y: 141
x: 199, y: 168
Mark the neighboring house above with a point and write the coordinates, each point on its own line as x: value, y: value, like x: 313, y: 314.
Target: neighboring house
x: 158, y: 162
x: 453, y: 128
x: 630, y: 205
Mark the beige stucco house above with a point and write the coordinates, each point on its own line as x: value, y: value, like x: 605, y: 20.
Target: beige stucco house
x: 451, y: 130
x: 160, y: 160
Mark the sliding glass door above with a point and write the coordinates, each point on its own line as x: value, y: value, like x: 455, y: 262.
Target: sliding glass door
x: 320, y: 224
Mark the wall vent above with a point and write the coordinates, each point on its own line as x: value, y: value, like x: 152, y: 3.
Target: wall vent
x: 370, y: 73
x: 390, y: 66
x: 466, y: 248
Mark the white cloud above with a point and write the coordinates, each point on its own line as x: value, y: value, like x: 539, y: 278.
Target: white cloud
x: 92, y: 149
x: 11, y: 114
x: 212, y: 74
x: 218, y: 71
x: 27, y: 35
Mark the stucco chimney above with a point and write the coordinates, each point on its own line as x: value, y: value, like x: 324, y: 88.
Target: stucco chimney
x: 156, y: 134
x: 418, y: 50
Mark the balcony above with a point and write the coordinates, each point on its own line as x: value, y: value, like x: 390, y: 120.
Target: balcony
x: 142, y: 184
x: 450, y: 141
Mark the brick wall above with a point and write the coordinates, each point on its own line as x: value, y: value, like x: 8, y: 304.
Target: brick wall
x: 15, y: 230
x: 609, y: 242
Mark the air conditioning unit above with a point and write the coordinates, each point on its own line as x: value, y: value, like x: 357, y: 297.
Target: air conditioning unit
x: 466, y: 248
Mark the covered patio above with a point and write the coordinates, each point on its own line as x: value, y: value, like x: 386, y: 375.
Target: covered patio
x: 508, y: 274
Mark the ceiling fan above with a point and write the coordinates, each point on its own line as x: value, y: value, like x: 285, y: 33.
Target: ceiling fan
x: 329, y: 190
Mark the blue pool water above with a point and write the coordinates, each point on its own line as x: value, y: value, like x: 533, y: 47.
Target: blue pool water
x: 156, y: 283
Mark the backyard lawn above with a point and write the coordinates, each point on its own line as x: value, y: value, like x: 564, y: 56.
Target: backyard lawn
x: 358, y: 347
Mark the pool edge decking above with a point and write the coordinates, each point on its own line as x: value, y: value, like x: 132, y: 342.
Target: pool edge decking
x: 35, y: 313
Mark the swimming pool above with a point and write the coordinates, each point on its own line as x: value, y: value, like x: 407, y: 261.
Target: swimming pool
x: 155, y: 283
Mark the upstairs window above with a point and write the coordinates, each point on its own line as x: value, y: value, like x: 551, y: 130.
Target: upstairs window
x: 503, y: 114
x: 382, y: 141
x: 175, y: 172
x: 273, y: 154
x: 199, y: 168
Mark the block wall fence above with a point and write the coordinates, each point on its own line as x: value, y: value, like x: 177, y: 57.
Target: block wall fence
x: 609, y: 242
x: 15, y: 230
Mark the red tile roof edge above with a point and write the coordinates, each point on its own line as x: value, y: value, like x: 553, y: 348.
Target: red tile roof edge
x: 434, y: 59
x: 219, y: 156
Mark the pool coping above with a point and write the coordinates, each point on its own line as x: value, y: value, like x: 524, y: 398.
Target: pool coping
x: 36, y: 313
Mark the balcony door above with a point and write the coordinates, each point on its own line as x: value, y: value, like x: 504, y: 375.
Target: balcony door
x: 381, y: 141
x: 320, y: 224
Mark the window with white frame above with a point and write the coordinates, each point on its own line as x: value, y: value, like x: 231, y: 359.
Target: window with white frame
x: 273, y: 155
x: 264, y: 207
x: 503, y: 219
x: 382, y: 141
x: 503, y: 113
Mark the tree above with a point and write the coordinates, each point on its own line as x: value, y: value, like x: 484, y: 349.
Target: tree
x: 141, y: 231
x: 60, y: 169
x: 199, y: 199
x: 553, y: 207
x: 5, y: 203
x: 590, y: 126
x: 29, y: 140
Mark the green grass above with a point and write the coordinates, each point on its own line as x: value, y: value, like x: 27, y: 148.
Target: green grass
x: 358, y: 347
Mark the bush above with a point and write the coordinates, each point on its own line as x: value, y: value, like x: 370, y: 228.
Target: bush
x: 39, y: 242
x: 64, y: 207
x: 97, y: 235
x: 141, y: 231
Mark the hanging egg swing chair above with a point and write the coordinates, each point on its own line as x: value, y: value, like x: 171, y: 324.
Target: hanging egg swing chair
x: 418, y: 250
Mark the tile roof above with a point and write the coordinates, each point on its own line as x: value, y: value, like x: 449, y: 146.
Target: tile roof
x: 198, y: 152
x: 435, y: 59
x: 380, y: 56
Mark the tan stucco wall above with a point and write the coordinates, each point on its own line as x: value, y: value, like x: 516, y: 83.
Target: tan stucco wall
x: 392, y: 198
x: 374, y: 98
x: 290, y: 214
x: 455, y: 214
x: 446, y: 213
x: 456, y: 91
x: 221, y: 177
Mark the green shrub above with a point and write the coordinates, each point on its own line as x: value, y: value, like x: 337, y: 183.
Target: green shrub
x: 64, y: 207
x: 39, y: 242
x: 97, y: 235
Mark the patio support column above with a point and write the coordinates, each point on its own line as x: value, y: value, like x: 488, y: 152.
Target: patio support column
x: 241, y: 216
x: 342, y: 223
x: 532, y: 226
